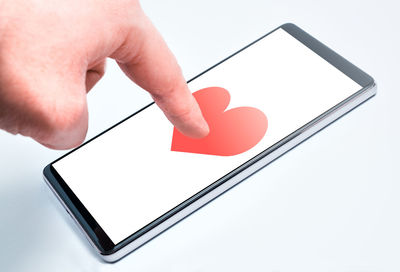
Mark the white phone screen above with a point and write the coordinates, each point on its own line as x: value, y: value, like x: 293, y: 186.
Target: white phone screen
x: 129, y: 176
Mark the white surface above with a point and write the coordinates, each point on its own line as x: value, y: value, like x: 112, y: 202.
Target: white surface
x: 331, y: 204
x: 136, y: 176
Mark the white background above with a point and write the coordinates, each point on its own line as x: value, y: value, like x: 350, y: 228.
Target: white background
x: 129, y: 177
x: 331, y: 204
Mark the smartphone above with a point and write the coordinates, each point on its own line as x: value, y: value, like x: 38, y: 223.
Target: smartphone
x: 141, y: 176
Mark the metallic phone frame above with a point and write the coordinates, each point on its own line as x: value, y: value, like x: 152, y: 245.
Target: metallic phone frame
x: 247, y: 169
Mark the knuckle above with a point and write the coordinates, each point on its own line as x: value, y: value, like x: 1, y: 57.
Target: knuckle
x: 183, y: 112
x: 170, y: 86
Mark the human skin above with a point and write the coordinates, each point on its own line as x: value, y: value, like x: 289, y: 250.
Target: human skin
x: 52, y: 52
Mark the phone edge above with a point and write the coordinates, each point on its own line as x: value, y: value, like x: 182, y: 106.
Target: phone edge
x: 310, y: 129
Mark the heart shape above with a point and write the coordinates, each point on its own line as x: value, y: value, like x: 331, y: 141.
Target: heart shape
x: 231, y: 132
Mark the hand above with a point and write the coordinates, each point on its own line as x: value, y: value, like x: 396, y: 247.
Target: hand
x: 52, y: 52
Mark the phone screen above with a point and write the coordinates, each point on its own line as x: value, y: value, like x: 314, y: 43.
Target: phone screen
x: 139, y: 170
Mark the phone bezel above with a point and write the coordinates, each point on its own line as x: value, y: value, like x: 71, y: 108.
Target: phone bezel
x: 93, y: 230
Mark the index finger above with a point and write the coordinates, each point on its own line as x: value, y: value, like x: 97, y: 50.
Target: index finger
x: 146, y: 59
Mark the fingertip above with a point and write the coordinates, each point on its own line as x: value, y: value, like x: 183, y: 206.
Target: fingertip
x: 197, y: 128
x: 201, y: 131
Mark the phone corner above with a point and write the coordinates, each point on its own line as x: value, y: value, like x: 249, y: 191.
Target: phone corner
x: 46, y: 172
x: 373, y: 86
x: 109, y: 257
x: 288, y: 25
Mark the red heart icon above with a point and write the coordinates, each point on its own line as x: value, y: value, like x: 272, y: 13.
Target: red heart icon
x: 231, y: 132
